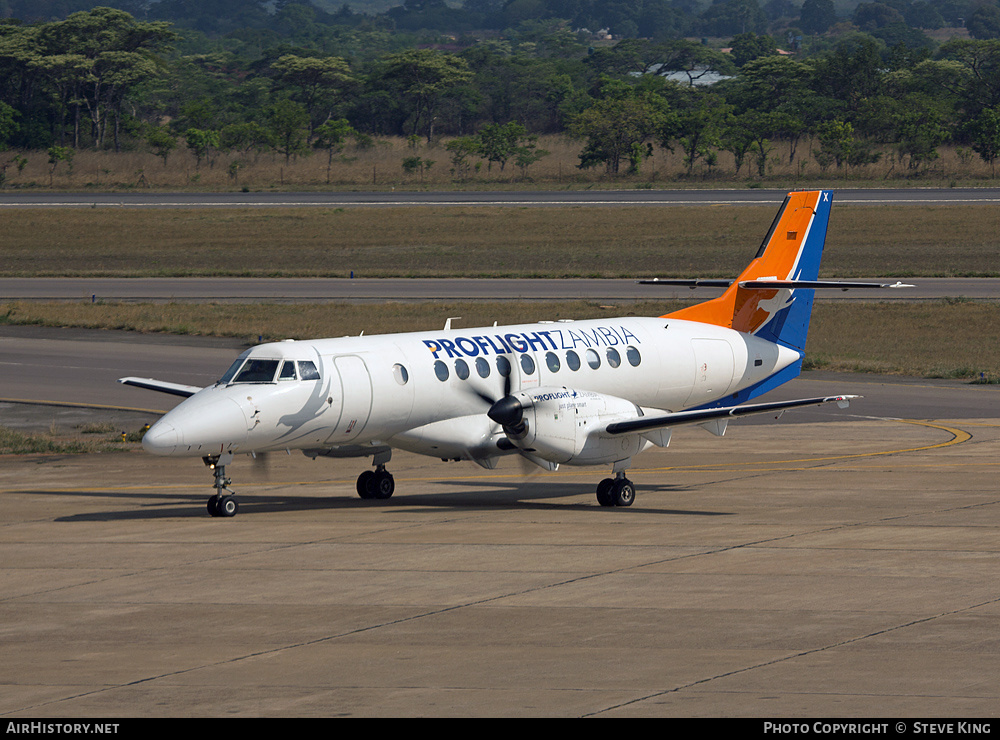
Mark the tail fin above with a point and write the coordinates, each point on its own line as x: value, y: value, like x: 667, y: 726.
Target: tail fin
x: 791, y: 251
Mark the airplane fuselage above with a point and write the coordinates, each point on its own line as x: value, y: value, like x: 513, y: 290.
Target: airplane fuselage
x: 427, y: 392
x: 590, y: 392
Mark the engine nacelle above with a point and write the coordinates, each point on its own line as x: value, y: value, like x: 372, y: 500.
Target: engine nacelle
x: 566, y: 426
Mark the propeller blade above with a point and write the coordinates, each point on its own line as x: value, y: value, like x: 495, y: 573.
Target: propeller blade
x: 261, y: 464
x: 527, y: 468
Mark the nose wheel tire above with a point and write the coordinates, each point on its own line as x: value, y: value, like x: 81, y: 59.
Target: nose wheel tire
x: 223, y: 506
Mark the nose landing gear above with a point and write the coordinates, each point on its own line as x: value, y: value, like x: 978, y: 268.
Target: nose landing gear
x: 223, y: 502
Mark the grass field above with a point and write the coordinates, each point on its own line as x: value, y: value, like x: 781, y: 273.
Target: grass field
x: 936, y: 339
x: 884, y: 241
x: 380, y: 167
x: 933, y: 339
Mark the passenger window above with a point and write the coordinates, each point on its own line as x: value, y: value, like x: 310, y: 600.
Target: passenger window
x: 287, y: 370
x: 593, y: 359
x: 633, y: 356
x: 441, y: 370
x: 614, y: 359
x: 257, y: 371
x: 307, y: 370
x: 552, y: 362
x: 482, y: 367
x: 527, y: 364
x: 461, y: 369
x: 503, y: 366
x: 400, y: 374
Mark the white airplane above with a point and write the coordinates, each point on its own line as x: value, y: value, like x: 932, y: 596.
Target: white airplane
x: 593, y: 392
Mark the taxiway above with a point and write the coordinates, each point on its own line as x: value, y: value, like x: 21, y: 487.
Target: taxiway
x: 829, y: 564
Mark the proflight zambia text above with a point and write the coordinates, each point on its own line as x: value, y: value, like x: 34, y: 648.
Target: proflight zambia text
x: 543, y: 339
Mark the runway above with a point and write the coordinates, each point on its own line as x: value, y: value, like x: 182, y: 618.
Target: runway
x: 323, y: 290
x: 526, y: 198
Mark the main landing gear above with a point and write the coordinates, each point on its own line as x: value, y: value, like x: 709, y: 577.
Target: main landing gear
x: 223, y: 503
x: 618, y: 491
x: 376, y: 484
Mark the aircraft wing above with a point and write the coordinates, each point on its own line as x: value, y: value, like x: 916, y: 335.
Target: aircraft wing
x: 700, y: 416
x: 174, y: 389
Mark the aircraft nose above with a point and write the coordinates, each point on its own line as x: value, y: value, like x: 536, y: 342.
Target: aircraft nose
x: 160, y: 439
x: 197, y: 426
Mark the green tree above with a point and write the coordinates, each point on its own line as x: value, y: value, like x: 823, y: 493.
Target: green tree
x: 245, y: 137
x: 422, y: 78
x: 462, y: 150
x: 835, y: 141
x: 737, y: 140
x: 971, y: 69
x: 730, y: 17
x: 8, y: 125
x: 918, y: 135
x: 984, y: 131
x: 527, y: 153
x: 985, y: 22
x: 202, y: 143
x: 110, y: 56
x: 761, y: 127
x: 499, y: 142
x: 287, y: 122
x: 161, y: 141
x: 838, y: 145
x: 817, y: 16
x: 851, y: 74
x: 59, y: 154
x: 776, y: 85
x: 745, y: 47
x: 692, y: 59
x: 331, y: 136
x: 699, y: 128
x: 616, y: 129
x: 318, y: 83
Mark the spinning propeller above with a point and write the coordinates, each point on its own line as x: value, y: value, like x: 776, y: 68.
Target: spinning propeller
x: 508, y: 412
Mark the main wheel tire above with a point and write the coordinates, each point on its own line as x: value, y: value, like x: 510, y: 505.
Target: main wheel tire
x: 624, y: 492
x: 364, y: 485
x: 604, y: 495
x: 382, y: 485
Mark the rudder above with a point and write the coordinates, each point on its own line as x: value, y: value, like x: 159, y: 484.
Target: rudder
x: 791, y: 251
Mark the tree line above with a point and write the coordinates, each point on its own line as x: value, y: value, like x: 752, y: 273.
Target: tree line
x: 103, y: 78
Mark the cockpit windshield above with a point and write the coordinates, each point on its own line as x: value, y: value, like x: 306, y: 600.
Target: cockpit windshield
x: 255, y: 370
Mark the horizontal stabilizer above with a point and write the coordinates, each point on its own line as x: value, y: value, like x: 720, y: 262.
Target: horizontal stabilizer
x: 174, y: 389
x: 700, y: 416
x: 688, y: 283
x: 814, y: 284
x: 773, y: 284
